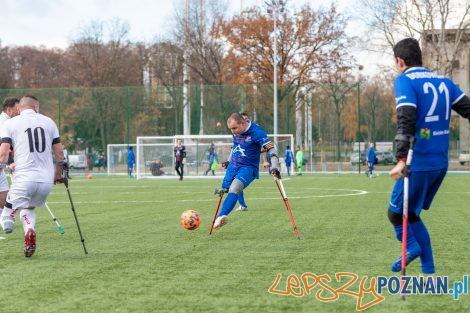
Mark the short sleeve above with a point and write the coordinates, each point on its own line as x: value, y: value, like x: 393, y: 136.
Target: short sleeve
x: 5, y: 130
x: 404, y: 93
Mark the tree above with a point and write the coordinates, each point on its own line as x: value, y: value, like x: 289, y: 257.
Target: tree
x: 441, y: 25
x: 38, y: 67
x: 337, y: 81
x: 6, y: 68
x: 306, y: 38
x: 103, y: 56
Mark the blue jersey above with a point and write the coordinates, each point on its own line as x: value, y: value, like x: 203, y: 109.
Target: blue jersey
x: 371, y: 155
x: 289, y: 156
x: 247, y: 147
x: 130, y: 157
x: 433, y: 96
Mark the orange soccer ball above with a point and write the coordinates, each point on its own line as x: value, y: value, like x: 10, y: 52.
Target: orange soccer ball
x: 90, y: 176
x: 190, y: 219
x: 218, y: 124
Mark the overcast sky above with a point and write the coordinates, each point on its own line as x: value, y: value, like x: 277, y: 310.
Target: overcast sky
x: 54, y: 23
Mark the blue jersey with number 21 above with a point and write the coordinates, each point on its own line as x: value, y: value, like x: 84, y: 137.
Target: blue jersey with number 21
x: 433, y: 96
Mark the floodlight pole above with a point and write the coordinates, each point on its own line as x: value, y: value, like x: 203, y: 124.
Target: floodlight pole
x: 275, y: 6
x: 275, y: 126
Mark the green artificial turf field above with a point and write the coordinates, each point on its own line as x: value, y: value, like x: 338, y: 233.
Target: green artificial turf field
x: 141, y: 259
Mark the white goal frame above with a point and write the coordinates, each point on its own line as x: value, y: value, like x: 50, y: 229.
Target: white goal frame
x: 194, y: 168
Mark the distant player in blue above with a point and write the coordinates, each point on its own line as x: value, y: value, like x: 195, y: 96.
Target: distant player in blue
x: 423, y: 102
x: 370, y: 159
x: 243, y: 168
x: 130, y: 160
x: 289, y: 156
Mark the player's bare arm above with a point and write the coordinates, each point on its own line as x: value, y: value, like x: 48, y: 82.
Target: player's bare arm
x: 4, y: 152
x: 58, y: 153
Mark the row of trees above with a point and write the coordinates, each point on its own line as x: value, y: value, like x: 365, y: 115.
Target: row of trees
x: 316, y: 72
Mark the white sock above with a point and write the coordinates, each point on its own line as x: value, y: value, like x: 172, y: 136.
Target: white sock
x: 28, y: 219
x: 7, y: 211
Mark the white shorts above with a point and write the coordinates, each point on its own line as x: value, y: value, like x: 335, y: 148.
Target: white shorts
x: 28, y: 194
x: 3, y: 182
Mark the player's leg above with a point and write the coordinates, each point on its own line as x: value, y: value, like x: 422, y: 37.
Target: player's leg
x: 395, y: 215
x: 7, y: 219
x: 242, y: 179
x: 3, y: 198
x: 28, y: 216
x: 3, y: 190
x: 288, y: 168
x: 177, y: 168
x: 433, y: 181
x: 299, y: 168
x: 241, y: 200
x: 182, y: 170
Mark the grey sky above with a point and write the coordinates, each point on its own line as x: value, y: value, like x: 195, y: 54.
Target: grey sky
x: 54, y: 23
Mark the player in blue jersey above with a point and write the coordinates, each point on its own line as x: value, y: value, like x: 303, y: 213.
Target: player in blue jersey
x: 423, y: 102
x: 130, y: 161
x: 243, y: 168
x: 370, y: 159
x: 289, y: 156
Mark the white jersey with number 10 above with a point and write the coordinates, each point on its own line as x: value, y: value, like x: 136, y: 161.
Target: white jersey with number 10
x: 32, y: 135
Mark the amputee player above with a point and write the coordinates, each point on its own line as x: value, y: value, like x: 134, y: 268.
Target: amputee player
x: 243, y: 168
x: 423, y: 102
x: 39, y: 159
x: 9, y: 110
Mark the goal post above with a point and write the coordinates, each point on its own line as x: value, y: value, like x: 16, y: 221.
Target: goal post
x: 155, y: 157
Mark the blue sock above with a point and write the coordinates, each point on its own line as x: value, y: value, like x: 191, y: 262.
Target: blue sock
x: 422, y: 236
x: 412, y: 245
x: 241, y: 200
x: 229, y: 204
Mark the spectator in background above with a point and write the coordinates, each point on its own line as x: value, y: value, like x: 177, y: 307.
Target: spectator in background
x: 130, y: 160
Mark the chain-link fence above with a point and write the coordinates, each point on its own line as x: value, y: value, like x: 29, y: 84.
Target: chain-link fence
x: 327, y: 121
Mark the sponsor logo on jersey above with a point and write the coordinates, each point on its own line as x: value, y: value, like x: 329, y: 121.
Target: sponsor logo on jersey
x: 240, y: 150
x: 425, y: 133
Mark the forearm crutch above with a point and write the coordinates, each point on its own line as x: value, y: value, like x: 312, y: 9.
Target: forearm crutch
x: 406, y: 188
x: 221, y: 195
x: 280, y: 186
x: 66, y: 183
x: 61, y: 229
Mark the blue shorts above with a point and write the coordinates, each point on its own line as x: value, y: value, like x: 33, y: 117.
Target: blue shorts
x: 423, y: 188
x: 245, y: 174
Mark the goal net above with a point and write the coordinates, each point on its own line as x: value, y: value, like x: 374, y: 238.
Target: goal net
x: 117, y: 158
x: 155, y: 157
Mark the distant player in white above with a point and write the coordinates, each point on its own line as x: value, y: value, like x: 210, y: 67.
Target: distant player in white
x: 9, y: 110
x: 38, y: 156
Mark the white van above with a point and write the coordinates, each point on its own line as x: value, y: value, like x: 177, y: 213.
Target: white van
x: 77, y: 161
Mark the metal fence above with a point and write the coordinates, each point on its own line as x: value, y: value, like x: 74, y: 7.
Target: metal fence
x: 326, y: 122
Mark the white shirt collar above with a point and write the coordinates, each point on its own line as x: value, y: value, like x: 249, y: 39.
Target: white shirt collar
x: 414, y: 68
x: 248, y: 128
x: 28, y: 111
